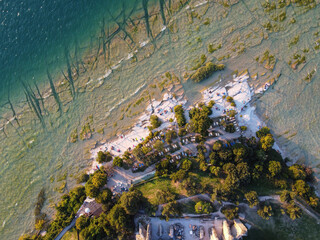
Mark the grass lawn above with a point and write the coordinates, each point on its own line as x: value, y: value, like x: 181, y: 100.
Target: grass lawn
x: 263, y: 188
x: 71, y: 235
x: 150, y: 188
x: 188, y: 207
x: 281, y: 227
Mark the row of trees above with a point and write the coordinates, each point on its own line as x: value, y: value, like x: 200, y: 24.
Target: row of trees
x: 118, y: 222
x: 179, y: 114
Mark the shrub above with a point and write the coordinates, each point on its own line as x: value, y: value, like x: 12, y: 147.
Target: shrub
x: 230, y: 211
x: 117, y: 161
x: 164, y: 197
x: 203, y: 207
x: 252, y: 198
x: 232, y: 113
x: 286, y: 196
x: 179, y: 114
x: 243, y: 128
x: 263, y: 132
x: 159, y: 145
x: 155, y: 121
x: 211, y: 103
x: 186, y: 165
x: 265, y: 211
x: 171, y: 134
x: 266, y: 142
x: 229, y: 99
x: 103, y: 157
x: 294, y: 211
x: 179, y: 175
x: 171, y: 209
x: 274, y: 168
x: 182, y: 132
x: 205, y: 71
x: 217, y: 146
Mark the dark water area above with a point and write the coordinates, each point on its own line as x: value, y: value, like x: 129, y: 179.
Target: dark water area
x: 35, y: 34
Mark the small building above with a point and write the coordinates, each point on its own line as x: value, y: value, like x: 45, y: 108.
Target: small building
x: 171, y: 231
x: 214, y: 234
x: 90, y: 208
x: 227, y: 231
x: 144, y: 234
x: 240, y: 228
x: 201, y: 234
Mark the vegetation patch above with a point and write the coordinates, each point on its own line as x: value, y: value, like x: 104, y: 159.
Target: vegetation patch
x: 206, y: 71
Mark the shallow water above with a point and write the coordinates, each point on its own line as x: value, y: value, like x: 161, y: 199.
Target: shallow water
x: 34, y: 156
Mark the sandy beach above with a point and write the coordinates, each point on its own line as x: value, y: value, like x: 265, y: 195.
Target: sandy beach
x: 238, y: 88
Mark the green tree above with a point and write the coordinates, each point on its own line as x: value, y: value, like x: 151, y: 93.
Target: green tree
x: 99, y: 179
x: 257, y: 171
x: 203, y: 166
x: 232, y: 113
x: 231, y: 212
x: 39, y: 224
x: 118, y: 219
x: 104, y: 196
x: 200, y: 121
x: 263, y: 132
x: 205, y: 71
x: 266, y: 142
x: 226, y: 155
x: 91, y: 190
x: 171, y: 134
x: 261, y: 155
x: 243, y: 128
x: 203, y: 207
x: 179, y: 114
x: 211, y: 103
x: 215, y: 170
x: 240, y: 152
x: 155, y: 121
x: 164, y: 196
x: 286, y: 196
x: 296, y: 172
x: 229, y: 99
x: 159, y: 145
x: 82, y: 222
x: 265, y: 210
x: 191, y: 184
x: 171, y: 209
x: 83, y: 178
x: 243, y: 172
x: 252, y: 198
x: 186, y: 165
x: 131, y: 201
x: 294, y: 211
x: 230, y: 128
x: 117, y: 161
x: 217, y: 146
x: 179, y: 175
x: 301, y: 188
x: 274, y: 168
x: 101, y: 157
x: 214, y: 158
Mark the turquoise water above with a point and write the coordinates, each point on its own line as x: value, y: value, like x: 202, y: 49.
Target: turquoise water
x: 35, y: 35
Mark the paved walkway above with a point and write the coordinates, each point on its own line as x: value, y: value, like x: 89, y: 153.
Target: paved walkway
x: 66, y: 229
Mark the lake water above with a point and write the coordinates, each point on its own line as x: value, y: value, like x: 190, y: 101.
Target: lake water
x: 48, y: 36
